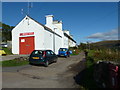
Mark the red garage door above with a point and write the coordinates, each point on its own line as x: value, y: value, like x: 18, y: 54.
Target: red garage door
x: 26, y: 45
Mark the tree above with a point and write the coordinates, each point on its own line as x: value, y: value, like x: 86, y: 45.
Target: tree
x: 6, y: 32
x: 0, y: 24
x: 82, y: 46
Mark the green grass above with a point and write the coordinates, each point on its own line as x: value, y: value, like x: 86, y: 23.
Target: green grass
x: 91, y: 53
x: 7, y: 51
x: 11, y: 63
x: 74, y: 54
x: 104, y: 55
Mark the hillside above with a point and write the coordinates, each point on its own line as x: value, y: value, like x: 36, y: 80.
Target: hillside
x: 6, y: 32
x: 112, y: 44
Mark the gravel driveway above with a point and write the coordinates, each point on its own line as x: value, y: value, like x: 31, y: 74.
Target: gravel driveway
x: 56, y: 75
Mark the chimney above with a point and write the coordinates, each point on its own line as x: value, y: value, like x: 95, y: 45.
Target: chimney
x: 49, y: 19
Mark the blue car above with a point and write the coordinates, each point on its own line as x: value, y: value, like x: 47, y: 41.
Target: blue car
x: 64, y: 52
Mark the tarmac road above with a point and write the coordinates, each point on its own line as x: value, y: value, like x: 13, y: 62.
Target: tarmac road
x: 56, y: 75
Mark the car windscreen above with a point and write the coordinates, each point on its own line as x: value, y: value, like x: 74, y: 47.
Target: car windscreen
x: 62, y: 49
x: 37, y: 52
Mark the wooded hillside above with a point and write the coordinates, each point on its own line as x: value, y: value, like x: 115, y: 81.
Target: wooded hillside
x: 6, y: 32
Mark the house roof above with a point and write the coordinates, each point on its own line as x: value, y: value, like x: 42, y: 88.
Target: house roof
x: 69, y: 37
x: 46, y: 28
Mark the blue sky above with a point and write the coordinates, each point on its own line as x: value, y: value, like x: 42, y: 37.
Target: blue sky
x: 86, y: 21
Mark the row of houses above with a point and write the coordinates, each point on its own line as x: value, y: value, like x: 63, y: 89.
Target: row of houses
x: 31, y: 35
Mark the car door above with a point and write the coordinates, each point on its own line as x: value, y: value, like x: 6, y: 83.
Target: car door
x: 53, y: 56
x: 48, y: 56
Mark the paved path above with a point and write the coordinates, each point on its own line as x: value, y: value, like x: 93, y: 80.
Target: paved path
x: 56, y: 75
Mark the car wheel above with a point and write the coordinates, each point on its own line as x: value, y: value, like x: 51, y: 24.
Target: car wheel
x: 66, y: 56
x: 30, y: 63
x: 46, y: 64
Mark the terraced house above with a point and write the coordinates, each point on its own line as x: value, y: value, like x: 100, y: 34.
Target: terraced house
x: 31, y: 35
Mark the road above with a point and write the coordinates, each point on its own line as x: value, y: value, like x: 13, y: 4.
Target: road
x: 56, y: 75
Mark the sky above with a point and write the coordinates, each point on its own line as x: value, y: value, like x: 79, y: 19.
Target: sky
x: 86, y: 21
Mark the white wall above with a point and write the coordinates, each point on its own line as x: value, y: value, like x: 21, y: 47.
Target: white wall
x: 58, y: 43
x: 71, y: 43
x: 48, y: 40
x: 65, y: 42
x: 23, y: 27
x: 52, y: 41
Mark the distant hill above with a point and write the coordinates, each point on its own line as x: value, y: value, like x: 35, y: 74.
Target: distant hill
x: 112, y: 44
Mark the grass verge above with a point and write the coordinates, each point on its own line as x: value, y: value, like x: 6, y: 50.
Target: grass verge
x: 7, y: 51
x: 74, y: 54
x: 14, y: 62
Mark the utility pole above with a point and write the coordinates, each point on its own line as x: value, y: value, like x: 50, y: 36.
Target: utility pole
x: 27, y: 12
x: 30, y: 5
x: 28, y: 8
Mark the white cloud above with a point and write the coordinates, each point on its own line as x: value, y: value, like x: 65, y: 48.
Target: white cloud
x: 111, y: 35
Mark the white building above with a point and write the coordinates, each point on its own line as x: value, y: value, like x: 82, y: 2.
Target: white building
x: 31, y: 35
x: 70, y: 41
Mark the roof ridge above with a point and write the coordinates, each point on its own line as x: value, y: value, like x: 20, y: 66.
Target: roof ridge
x: 44, y: 26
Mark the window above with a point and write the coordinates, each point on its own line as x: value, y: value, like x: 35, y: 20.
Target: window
x: 48, y: 53
x: 52, y: 53
x: 63, y: 49
x: 37, y: 52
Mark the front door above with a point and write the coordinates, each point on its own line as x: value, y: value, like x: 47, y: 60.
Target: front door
x: 26, y: 45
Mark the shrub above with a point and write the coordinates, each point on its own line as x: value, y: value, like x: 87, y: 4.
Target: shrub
x: 75, y: 51
x: 107, y: 55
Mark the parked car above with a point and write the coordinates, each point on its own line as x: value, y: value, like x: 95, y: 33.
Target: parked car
x: 64, y: 52
x: 4, y: 45
x: 42, y: 57
x: 70, y: 51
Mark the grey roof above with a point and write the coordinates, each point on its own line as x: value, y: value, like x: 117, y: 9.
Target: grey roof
x: 69, y: 37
